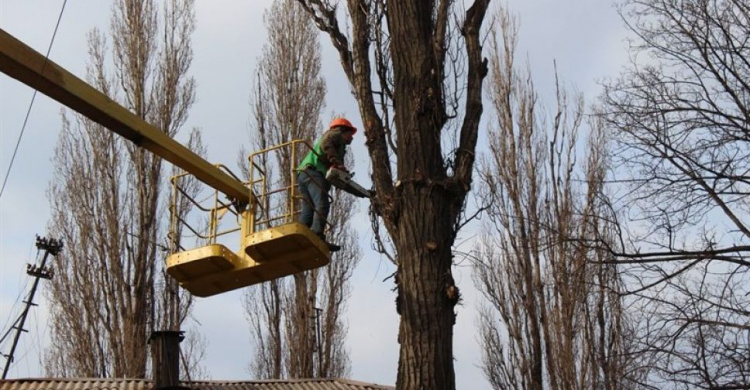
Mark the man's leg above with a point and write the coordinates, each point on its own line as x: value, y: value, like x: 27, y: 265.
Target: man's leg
x: 318, y: 188
x: 306, y: 212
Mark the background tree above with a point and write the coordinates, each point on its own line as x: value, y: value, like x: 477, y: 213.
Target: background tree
x: 296, y: 322
x: 426, y: 93
x: 680, y: 116
x: 553, y: 318
x: 106, y: 200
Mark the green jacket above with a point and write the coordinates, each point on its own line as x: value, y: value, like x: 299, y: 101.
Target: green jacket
x: 329, y: 150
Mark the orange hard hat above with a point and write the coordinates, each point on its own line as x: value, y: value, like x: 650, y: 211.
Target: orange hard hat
x: 342, y: 122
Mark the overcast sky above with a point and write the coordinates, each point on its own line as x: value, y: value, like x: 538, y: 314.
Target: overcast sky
x: 586, y: 38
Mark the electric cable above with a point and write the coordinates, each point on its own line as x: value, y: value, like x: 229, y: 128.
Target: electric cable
x: 37, y: 340
x: 24, y: 282
x: 26, y: 120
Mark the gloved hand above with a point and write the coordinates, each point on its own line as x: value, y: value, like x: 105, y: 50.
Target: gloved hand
x: 340, y: 167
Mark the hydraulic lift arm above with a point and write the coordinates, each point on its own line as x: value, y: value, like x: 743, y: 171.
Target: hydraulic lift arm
x: 24, y: 64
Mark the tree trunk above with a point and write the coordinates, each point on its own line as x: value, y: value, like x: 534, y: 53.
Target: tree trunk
x: 424, y: 303
x: 423, y: 235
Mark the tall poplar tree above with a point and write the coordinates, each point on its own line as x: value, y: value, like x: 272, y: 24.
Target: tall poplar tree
x: 106, y: 198
x: 552, y: 316
x: 296, y: 323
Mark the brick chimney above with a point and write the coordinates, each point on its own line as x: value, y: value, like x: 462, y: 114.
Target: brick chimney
x: 165, y: 359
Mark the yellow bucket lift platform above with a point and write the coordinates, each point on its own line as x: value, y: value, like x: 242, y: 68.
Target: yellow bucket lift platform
x: 272, y: 244
x: 269, y: 254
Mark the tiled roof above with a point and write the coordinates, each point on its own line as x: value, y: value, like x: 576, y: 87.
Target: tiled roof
x: 142, y: 384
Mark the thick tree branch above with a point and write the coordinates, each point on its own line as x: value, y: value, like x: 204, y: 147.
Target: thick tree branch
x: 660, y: 257
x: 465, y: 155
x: 356, y: 64
x: 441, y: 27
x: 382, y: 177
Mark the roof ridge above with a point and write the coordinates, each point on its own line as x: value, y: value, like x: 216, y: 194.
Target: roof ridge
x: 51, y: 379
x: 218, y: 383
x: 360, y: 383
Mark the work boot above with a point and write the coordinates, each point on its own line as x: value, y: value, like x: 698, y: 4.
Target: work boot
x: 331, y: 247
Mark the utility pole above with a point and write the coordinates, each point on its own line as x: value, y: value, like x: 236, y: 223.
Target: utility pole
x: 51, y: 247
x: 318, y: 340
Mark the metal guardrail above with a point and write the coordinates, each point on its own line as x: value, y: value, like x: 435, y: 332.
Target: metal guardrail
x: 277, y: 198
x: 214, y: 210
x: 272, y: 187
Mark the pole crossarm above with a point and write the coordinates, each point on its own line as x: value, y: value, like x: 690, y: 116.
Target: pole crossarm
x: 26, y: 65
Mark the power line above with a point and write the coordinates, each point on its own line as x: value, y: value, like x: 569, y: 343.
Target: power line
x: 28, y: 112
x: 23, y: 282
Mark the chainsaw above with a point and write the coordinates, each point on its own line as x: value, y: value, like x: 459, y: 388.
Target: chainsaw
x: 343, y: 180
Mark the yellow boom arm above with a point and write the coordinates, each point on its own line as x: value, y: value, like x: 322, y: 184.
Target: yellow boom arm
x: 24, y: 64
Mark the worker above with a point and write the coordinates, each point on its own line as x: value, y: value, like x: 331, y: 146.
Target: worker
x: 327, y: 153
